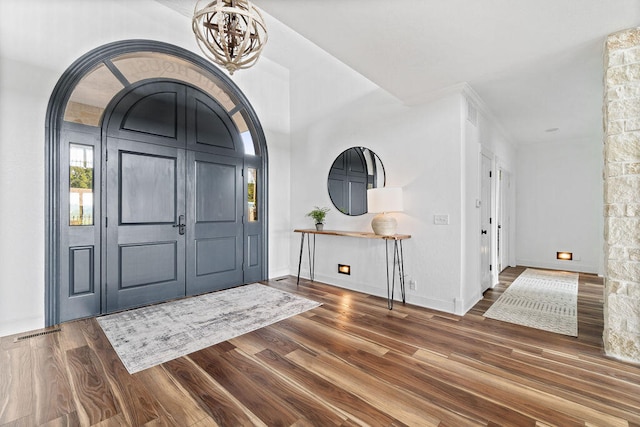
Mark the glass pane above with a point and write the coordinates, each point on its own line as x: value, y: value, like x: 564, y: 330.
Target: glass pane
x: 252, y: 194
x: 247, y: 141
x: 80, y: 184
x: 245, y: 133
x: 146, y: 65
x: 239, y: 120
x: 91, y: 96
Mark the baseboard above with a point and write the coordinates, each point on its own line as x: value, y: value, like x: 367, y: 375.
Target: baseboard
x: 468, y: 305
x: 410, y: 297
x: 275, y: 274
x: 19, y: 326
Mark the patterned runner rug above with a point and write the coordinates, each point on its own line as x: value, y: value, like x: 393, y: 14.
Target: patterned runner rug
x: 149, y: 336
x: 540, y: 299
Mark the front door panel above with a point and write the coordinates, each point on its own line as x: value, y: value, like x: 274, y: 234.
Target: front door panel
x: 215, y: 236
x: 145, y: 198
x: 174, y: 197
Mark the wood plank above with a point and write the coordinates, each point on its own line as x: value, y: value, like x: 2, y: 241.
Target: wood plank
x: 311, y: 410
x: 260, y: 401
x: 117, y: 421
x: 349, y: 362
x: 272, y: 339
x: 16, y: 384
x: 90, y: 388
x: 52, y: 392
x: 345, y: 402
x: 371, y: 334
x: 439, y: 391
x: 219, y: 404
x: 394, y: 401
x: 67, y: 420
x: 206, y: 422
x: 177, y: 404
x: 135, y: 403
x: 547, y: 407
x: 71, y: 335
x: 564, y: 382
x: 321, y: 338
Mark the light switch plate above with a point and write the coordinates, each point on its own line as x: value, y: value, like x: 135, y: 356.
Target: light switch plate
x: 441, y: 219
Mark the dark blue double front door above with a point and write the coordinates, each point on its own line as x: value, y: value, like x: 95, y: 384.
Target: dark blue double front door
x: 174, y: 197
x: 171, y: 216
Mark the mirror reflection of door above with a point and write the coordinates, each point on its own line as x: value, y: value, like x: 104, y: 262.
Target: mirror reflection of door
x: 353, y: 172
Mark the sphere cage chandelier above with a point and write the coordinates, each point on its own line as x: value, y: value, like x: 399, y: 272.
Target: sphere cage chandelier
x: 230, y: 33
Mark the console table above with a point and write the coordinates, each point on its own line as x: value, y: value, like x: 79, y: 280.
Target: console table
x: 398, y: 256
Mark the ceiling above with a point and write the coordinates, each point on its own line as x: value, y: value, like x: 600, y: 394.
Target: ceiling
x: 536, y: 64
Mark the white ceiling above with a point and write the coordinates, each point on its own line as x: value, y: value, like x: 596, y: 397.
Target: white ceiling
x: 537, y: 64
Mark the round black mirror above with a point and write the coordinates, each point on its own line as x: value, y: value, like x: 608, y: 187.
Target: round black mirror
x: 353, y: 172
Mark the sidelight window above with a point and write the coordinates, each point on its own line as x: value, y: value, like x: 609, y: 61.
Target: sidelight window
x: 80, y: 184
x: 252, y: 194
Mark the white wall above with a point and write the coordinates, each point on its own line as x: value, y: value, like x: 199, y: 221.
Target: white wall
x: 39, y: 39
x: 471, y: 193
x: 423, y: 150
x: 311, y: 110
x: 482, y: 134
x: 559, y: 205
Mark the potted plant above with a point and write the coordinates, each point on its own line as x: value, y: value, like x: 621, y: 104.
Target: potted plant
x: 318, y: 214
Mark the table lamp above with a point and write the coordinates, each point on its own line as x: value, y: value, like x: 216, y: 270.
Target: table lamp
x: 382, y: 201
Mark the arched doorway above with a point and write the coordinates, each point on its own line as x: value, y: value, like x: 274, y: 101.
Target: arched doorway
x: 156, y: 182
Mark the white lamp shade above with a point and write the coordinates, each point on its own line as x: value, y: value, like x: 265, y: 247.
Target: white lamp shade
x: 385, y: 199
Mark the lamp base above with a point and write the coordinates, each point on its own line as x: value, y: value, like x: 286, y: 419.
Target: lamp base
x: 384, y: 225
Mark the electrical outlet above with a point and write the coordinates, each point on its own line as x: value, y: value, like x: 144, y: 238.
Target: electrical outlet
x: 441, y: 219
x: 413, y: 285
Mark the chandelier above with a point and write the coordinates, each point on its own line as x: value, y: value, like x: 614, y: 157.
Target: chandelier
x: 231, y: 33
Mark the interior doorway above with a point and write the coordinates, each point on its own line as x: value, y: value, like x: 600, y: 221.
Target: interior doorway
x: 486, y: 231
x: 156, y: 182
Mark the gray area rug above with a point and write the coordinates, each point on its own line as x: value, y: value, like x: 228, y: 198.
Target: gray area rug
x: 151, y: 335
x: 540, y: 299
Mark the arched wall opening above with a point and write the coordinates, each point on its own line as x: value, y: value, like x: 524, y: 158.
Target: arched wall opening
x: 77, y: 107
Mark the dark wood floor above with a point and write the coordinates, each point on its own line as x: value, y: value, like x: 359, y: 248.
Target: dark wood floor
x: 349, y: 362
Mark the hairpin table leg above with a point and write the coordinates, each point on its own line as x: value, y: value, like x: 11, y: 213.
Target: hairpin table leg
x: 312, y: 257
x: 300, y: 258
x: 398, y: 258
x: 400, y: 268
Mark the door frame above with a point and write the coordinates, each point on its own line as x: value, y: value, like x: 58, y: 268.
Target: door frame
x: 503, y: 218
x: 486, y: 208
x: 55, y: 124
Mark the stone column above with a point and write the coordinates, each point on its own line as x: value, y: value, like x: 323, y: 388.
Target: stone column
x: 622, y: 195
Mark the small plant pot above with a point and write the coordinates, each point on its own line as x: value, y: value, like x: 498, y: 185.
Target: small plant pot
x: 319, y: 226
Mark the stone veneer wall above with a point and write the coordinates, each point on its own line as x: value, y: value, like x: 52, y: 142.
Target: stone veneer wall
x: 622, y: 195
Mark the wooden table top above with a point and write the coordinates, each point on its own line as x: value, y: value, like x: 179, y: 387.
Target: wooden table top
x: 360, y: 234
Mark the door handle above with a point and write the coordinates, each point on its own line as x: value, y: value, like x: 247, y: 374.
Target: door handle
x: 181, y: 225
x: 484, y: 231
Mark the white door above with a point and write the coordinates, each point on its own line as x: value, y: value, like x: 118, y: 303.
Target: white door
x: 485, y: 222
